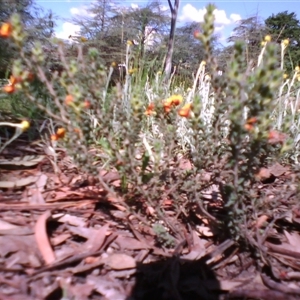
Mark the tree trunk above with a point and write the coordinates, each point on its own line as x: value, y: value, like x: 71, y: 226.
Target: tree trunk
x: 168, y: 61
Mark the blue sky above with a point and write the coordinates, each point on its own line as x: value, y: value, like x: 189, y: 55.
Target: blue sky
x: 227, y: 13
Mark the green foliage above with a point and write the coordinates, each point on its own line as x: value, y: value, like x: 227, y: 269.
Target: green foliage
x: 39, y: 25
x: 111, y: 26
x: 163, y: 236
x: 251, y: 31
x: 239, y: 148
x: 144, y: 127
x: 283, y: 26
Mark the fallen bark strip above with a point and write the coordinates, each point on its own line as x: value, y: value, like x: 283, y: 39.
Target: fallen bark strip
x: 259, y: 294
x: 74, y: 259
x: 280, y: 287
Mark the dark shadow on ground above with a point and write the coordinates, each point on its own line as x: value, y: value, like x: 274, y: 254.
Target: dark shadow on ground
x: 175, y: 279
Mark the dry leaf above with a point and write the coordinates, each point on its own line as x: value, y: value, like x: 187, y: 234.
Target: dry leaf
x: 276, y: 137
x: 36, y: 197
x: 96, y: 239
x: 263, y: 174
x: 261, y: 221
x: 228, y: 285
x: 26, y: 161
x: 71, y: 220
x: 42, y: 238
x: 197, y: 250
x: 205, y: 231
x: 7, y: 226
x: 293, y: 238
x: 109, y: 289
x: 130, y: 243
x: 185, y: 164
x: 14, y: 183
x: 278, y: 170
x: 57, y: 240
x: 120, y: 261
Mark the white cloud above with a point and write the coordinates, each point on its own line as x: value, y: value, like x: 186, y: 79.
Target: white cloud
x: 134, y: 6
x: 81, y: 12
x: 221, y: 18
x: 164, y: 7
x: 235, y: 17
x: 219, y: 28
x: 192, y: 14
x: 67, y: 30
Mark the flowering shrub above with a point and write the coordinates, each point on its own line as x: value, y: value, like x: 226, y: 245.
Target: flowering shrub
x: 222, y: 124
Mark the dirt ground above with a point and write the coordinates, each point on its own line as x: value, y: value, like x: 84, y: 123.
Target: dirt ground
x: 63, y: 236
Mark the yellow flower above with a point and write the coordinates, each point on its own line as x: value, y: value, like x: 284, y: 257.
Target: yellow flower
x: 176, y: 99
x: 129, y: 43
x: 25, y: 125
x: 285, y: 42
x: 207, y: 77
x: 268, y: 38
x: 131, y: 71
x: 113, y: 64
x: 6, y: 30
x: 263, y: 43
x: 297, y: 69
x: 83, y: 39
x: 285, y: 76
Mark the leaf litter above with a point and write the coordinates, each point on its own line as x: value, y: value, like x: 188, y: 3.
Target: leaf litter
x: 64, y: 236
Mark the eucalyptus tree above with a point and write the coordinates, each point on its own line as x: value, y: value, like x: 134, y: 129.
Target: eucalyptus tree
x: 168, y: 62
x: 251, y: 31
x: 285, y: 25
x: 38, y: 24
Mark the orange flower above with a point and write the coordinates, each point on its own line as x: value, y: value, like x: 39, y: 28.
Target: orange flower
x: 60, y: 132
x: 252, y: 120
x: 54, y: 137
x: 168, y: 103
x: 14, y: 80
x: 30, y: 76
x: 197, y: 34
x: 150, y: 109
x: 9, y: 89
x: 86, y: 104
x: 77, y: 130
x: 249, y: 126
x: 69, y: 99
x: 6, y: 30
x: 185, y: 110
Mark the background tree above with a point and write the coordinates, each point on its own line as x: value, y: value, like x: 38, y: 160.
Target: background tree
x: 38, y: 25
x: 282, y: 26
x: 168, y: 61
x: 252, y: 31
x: 110, y: 26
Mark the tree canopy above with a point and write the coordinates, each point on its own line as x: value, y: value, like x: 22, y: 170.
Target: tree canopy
x: 39, y: 25
x: 285, y: 25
